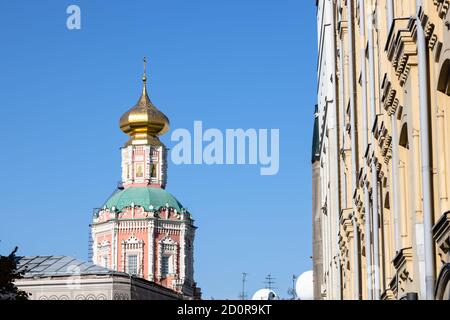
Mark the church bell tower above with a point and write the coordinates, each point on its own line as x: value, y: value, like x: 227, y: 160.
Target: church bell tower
x: 142, y: 229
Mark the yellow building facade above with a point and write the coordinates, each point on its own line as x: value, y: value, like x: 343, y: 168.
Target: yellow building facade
x: 381, y: 150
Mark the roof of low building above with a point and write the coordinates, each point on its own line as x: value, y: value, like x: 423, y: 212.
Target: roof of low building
x: 49, y: 266
x: 44, y: 267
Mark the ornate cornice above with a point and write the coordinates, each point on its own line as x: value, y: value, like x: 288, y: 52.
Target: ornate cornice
x: 428, y: 28
x: 385, y: 143
x: 347, y: 224
x: 442, y: 7
x: 388, y: 94
x: 401, y: 47
x: 403, y: 256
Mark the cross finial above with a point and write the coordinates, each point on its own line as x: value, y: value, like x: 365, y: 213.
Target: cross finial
x: 144, y: 77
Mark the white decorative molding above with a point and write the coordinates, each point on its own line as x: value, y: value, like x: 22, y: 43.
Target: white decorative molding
x: 116, y: 248
x: 133, y: 246
x: 168, y: 247
x: 183, y: 252
x: 105, y: 244
x: 94, y: 247
x: 104, y: 249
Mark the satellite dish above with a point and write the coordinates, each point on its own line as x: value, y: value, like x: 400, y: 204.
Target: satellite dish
x: 265, y: 294
x: 305, y: 286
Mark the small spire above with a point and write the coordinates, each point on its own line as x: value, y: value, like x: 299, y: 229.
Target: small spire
x: 144, y: 81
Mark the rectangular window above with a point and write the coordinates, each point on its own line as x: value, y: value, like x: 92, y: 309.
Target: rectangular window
x: 164, y: 266
x: 132, y: 264
x: 139, y: 170
x: 153, y: 170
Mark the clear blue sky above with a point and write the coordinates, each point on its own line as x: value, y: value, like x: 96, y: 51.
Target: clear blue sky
x: 231, y: 64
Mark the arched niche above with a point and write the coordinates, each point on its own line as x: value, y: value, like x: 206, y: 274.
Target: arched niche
x: 403, y: 140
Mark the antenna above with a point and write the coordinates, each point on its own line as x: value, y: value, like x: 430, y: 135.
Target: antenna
x: 291, y: 291
x: 243, y: 295
x: 269, y: 282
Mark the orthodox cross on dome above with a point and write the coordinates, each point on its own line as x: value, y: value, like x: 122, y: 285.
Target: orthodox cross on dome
x: 144, y: 77
x: 144, y: 123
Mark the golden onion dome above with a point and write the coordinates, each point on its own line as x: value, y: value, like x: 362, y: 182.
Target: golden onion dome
x: 144, y: 122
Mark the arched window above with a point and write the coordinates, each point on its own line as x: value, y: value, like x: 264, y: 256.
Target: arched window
x: 444, y: 78
x: 403, y: 141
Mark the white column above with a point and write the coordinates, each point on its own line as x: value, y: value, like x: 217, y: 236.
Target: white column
x: 113, y: 247
x: 116, y: 247
x: 182, y: 252
x: 150, y: 248
x: 191, y: 254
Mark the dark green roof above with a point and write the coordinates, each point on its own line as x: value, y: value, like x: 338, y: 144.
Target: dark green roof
x: 144, y: 197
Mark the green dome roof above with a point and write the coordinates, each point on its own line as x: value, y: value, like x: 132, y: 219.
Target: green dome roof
x: 144, y: 197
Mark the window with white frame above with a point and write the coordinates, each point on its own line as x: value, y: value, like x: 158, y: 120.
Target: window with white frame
x: 167, y: 257
x: 103, y: 250
x: 132, y: 267
x: 132, y: 255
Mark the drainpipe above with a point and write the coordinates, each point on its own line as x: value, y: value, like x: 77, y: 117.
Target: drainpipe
x: 376, y: 258
x: 362, y: 24
x: 336, y: 128
x: 356, y: 255
x: 342, y: 99
x: 342, y: 112
x: 390, y: 18
x: 362, y: 29
x: 395, y: 184
x: 352, y: 121
x: 394, y: 163
x: 390, y: 13
x: 425, y: 157
x: 352, y: 91
x: 368, y: 248
x: 342, y: 124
